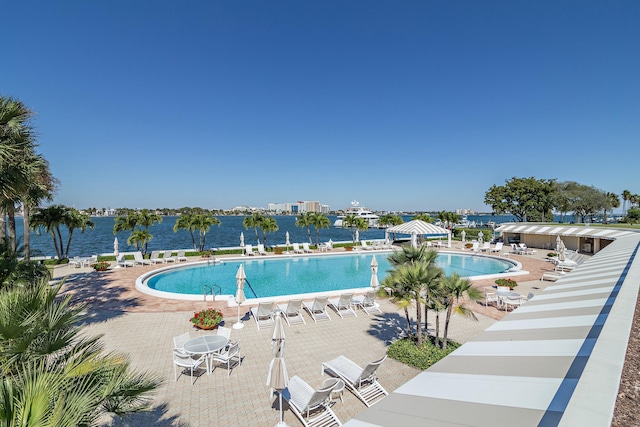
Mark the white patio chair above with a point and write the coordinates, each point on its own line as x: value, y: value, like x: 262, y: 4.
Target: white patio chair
x: 167, y: 258
x: 181, y: 256
x: 306, y: 248
x: 296, y: 248
x: 490, y: 296
x: 122, y: 262
x: 263, y: 314
x: 248, y: 249
x: 309, y: 405
x: 139, y: 259
x: 155, y: 257
x: 228, y: 356
x: 261, y: 250
x: 361, y: 381
x: 343, y: 305
x: 184, y: 360
x: 178, y: 342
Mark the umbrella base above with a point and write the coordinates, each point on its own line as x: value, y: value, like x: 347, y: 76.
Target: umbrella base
x: 282, y: 424
x: 238, y: 325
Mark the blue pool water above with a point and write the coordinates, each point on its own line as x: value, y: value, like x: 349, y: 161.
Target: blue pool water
x: 300, y: 275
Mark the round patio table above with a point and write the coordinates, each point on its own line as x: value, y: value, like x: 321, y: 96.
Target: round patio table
x: 206, y: 345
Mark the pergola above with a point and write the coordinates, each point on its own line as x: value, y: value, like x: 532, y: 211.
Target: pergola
x: 418, y: 227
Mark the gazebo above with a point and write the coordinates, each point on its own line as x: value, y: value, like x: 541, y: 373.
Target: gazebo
x: 419, y: 227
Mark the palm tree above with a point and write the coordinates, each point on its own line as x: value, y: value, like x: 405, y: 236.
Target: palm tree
x: 320, y: 221
x: 612, y: 201
x: 145, y: 218
x: 305, y: 219
x: 50, y: 219
x: 424, y: 217
x: 454, y: 287
x: 626, y: 195
x: 55, y: 375
x: 203, y: 223
x: 186, y: 222
x: 390, y: 220
x: 254, y: 221
x: 139, y: 238
x: 76, y: 220
x: 269, y: 225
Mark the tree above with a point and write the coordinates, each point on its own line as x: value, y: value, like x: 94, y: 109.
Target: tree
x: 203, y: 223
x: 269, y: 225
x: 75, y: 220
x: 626, y: 196
x: 143, y: 219
x: 611, y: 202
x: 305, y: 220
x: 390, y: 220
x: 355, y: 222
x: 455, y: 287
x: 139, y: 238
x: 254, y: 221
x: 528, y: 199
x: 53, y: 374
x: 186, y: 222
x: 423, y: 217
x: 320, y: 221
x: 50, y: 219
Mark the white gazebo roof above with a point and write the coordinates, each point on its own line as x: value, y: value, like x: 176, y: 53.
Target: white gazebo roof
x: 420, y: 227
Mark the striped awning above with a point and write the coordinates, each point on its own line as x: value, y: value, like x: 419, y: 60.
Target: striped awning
x: 564, y: 230
x: 418, y: 227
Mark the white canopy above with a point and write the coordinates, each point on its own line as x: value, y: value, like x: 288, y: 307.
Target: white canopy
x: 418, y: 227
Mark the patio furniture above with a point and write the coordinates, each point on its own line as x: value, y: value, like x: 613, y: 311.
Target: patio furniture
x: 361, y: 381
x: 337, y: 387
x: 343, y: 305
x: 367, y: 302
x: 292, y: 312
x: 309, y: 405
x: 205, y: 346
x: 228, y: 356
x: 183, y: 360
x: 317, y: 308
x: 263, y: 314
x: 166, y: 258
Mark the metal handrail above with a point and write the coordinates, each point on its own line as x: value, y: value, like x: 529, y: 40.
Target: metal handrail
x: 213, y: 289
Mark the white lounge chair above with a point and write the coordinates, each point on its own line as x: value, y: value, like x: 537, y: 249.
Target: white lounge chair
x: 75, y: 262
x: 122, y: 262
x: 366, y: 246
x: 155, y: 257
x: 367, y: 302
x: 181, y: 256
x: 317, y: 308
x: 361, y: 381
x: 248, y: 249
x: 261, y: 250
x: 475, y: 247
x: 486, y: 247
x: 343, y: 305
x: 306, y: 248
x: 166, y: 258
x: 497, y: 247
x: 292, y: 312
x: 139, y: 259
x: 263, y: 314
x: 309, y: 405
x: 512, y: 301
x: 296, y: 248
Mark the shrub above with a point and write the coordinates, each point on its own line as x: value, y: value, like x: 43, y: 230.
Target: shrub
x: 100, y: 266
x: 552, y: 254
x: 406, y: 351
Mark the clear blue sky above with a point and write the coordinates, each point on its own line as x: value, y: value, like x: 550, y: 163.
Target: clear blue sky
x: 402, y: 105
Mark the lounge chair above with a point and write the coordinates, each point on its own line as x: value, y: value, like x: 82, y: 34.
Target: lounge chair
x: 261, y: 250
x: 181, y: 256
x: 309, y: 405
x: 296, y: 248
x: 166, y: 258
x: 120, y: 261
x: 343, y: 305
x: 155, y: 257
x: 263, y: 314
x: 475, y: 247
x: 75, y: 262
x: 486, y: 247
x: 292, y: 312
x: 306, y: 248
x: 317, y: 308
x: 248, y: 249
x: 365, y: 246
x: 497, y: 247
x: 367, y: 302
x: 362, y: 382
x: 139, y: 259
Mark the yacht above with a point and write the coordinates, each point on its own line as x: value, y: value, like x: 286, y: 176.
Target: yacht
x: 358, y: 211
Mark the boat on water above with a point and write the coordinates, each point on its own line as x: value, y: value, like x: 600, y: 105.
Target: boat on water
x: 360, y: 212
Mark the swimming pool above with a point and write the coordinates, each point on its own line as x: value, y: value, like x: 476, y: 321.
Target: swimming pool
x: 296, y: 275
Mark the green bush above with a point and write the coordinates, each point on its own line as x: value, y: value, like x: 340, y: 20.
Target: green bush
x: 422, y: 357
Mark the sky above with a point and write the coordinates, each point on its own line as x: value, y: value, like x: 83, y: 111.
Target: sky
x: 401, y: 105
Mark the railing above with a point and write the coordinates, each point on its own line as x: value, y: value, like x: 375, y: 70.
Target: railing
x: 211, y: 289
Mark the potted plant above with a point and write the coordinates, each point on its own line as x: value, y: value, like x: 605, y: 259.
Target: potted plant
x: 207, y: 319
x: 468, y: 245
x: 507, y: 282
x: 552, y: 254
x: 101, y: 266
x: 348, y: 248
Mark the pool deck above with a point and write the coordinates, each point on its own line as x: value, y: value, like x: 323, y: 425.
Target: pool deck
x: 142, y: 327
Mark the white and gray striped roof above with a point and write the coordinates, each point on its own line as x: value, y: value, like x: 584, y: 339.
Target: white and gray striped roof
x: 555, y: 361
x: 556, y: 230
x: 420, y: 227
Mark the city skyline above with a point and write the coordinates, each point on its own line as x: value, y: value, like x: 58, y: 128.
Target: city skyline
x: 411, y: 106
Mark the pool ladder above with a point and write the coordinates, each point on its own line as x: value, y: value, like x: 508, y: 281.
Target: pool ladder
x: 211, y: 289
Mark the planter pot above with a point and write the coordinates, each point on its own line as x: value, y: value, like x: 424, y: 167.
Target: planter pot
x: 206, y: 328
x: 348, y: 248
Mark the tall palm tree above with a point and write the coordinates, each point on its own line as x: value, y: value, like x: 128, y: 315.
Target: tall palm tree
x: 76, y: 220
x: 50, y: 219
x: 305, y: 220
x: 139, y: 238
x: 255, y: 221
x: 424, y: 217
x: 186, y: 222
x: 612, y: 201
x: 320, y: 221
x: 390, y: 220
x: 454, y: 288
x: 53, y: 374
x: 626, y: 195
x: 145, y: 219
x: 269, y: 225
x: 203, y: 223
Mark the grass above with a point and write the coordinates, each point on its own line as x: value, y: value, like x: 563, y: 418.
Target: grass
x: 406, y: 351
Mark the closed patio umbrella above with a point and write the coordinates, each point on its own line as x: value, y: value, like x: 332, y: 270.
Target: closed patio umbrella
x: 562, y: 256
x: 374, y: 273
x: 277, y: 379
x: 115, y: 251
x: 242, y: 240
x: 240, y: 298
x: 287, y: 243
